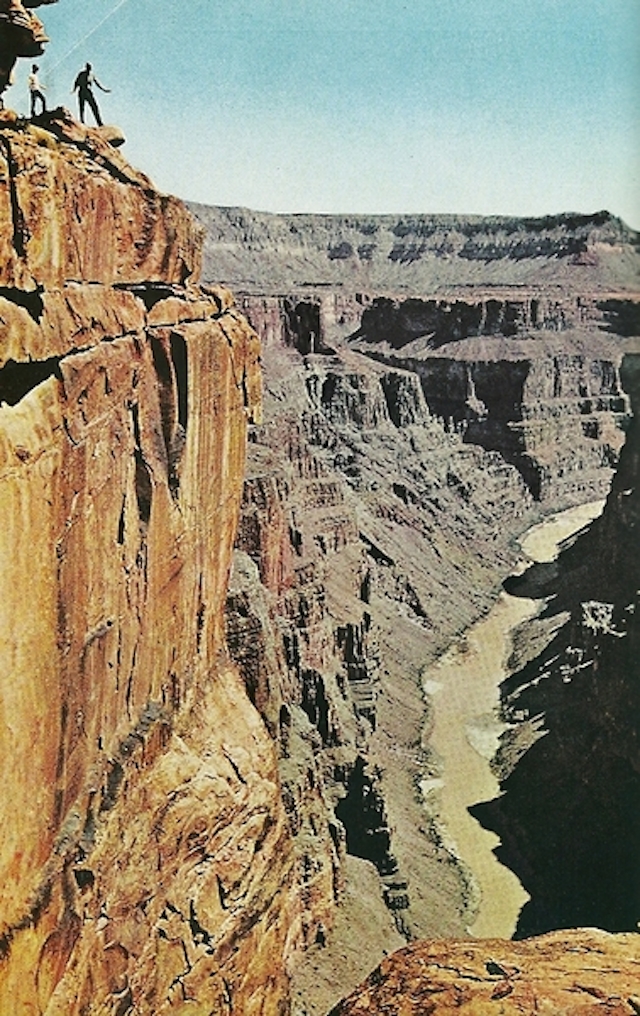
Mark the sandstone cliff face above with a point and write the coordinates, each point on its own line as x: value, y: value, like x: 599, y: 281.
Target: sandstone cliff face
x: 145, y: 863
x: 579, y: 973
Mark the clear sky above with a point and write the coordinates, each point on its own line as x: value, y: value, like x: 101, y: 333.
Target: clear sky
x: 518, y: 107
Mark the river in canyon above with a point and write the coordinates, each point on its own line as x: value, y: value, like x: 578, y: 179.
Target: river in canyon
x: 462, y: 688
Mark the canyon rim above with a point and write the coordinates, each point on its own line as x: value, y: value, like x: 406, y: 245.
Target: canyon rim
x: 266, y: 480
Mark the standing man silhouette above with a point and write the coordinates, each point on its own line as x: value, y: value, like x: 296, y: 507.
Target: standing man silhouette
x: 35, y: 91
x: 84, y: 86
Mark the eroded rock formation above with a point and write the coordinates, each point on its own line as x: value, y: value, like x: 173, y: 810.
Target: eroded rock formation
x: 408, y: 439
x: 21, y: 34
x: 145, y: 862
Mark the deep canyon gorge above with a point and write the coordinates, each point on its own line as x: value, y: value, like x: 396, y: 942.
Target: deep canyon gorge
x: 261, y: 476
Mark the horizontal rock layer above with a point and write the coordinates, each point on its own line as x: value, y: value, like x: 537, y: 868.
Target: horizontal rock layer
x: 263, y: 253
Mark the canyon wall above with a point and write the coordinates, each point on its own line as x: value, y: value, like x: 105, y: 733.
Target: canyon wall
x: 410, y: 435
x: 569, y: 814
x: 214, y: 756
x: 145, y: 858
x: 261, y: 252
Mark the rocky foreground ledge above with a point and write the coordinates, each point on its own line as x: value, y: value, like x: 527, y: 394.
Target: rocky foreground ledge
x: 566, y: 973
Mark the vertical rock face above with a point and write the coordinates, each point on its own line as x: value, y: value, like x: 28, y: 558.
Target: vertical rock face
x: 145, y: 863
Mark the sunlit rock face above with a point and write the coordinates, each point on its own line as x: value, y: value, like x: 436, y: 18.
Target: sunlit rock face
x: 145, y: 862
x: 576, y: 973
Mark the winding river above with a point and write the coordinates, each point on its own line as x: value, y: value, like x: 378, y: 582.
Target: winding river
x: 463, y: 689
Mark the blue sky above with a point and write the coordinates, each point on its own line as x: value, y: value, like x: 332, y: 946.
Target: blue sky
x: 519, y: 107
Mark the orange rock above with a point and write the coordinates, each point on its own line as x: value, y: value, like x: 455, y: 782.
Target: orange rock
x: 55, y: 200
x: 146, y: 860
x: 566, y: 973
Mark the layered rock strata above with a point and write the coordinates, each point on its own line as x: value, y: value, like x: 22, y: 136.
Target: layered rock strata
x: 553, y: 407
x: 369, y: 536
x: 418, y: 255
x: 516, y: 327
x: 145, y: 861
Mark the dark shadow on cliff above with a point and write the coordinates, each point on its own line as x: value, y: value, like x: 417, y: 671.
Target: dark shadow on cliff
x: 569, y: 813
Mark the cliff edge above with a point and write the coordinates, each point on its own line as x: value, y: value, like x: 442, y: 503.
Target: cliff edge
x: 144, y: 836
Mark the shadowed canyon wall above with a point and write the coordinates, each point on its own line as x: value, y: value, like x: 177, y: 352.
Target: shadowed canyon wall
x: 569, y: 817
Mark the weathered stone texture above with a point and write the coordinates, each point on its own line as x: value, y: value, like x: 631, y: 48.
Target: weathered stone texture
x: 57, y: 198
x: 573, y: 973
x: 146, y: 860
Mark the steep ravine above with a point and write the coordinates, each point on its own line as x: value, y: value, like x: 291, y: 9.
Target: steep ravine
x: 408, y: 440
x: 214, y: 756
x: 569, y: 812
x: 363, y: 507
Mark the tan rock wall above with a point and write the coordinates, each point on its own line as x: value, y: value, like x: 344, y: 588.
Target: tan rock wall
x: 75, y: 212
x: 146, y: 861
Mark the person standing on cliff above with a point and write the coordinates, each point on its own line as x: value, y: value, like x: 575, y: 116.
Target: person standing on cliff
x: 36, y: 91
x: 84, y: 83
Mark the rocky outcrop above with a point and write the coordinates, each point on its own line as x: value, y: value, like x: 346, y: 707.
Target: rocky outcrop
x: 21, y: 34
x: 578, y: 973
x: 56, y: 198
x: 146, y: 863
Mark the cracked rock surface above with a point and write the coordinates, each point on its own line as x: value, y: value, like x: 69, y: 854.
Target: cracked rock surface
x: 569, y: 973
x: 145, y: 865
